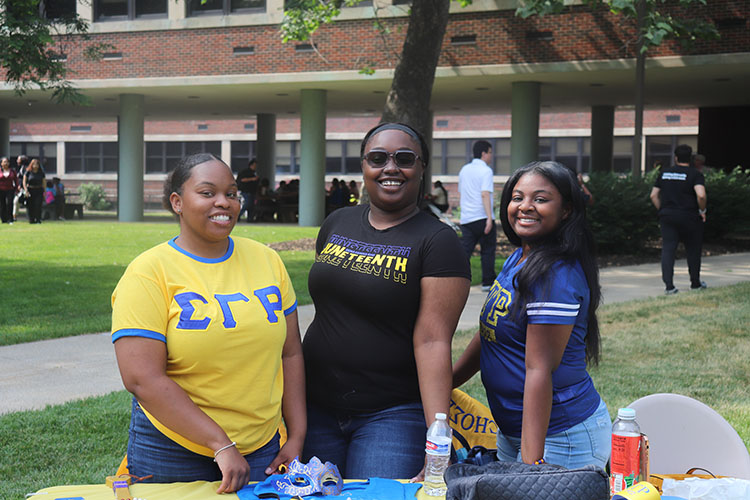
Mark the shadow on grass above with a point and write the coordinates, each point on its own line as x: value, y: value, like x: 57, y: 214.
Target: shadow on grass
x: 52, y: 300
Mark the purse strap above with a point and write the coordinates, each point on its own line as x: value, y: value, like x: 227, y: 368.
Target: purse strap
x: 692, y: 471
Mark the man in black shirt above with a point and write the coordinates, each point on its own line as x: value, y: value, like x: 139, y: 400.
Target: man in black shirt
x: 679, y: 194
x: 247, y: 182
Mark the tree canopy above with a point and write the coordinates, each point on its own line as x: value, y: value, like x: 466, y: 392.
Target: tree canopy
x: 32, y: 48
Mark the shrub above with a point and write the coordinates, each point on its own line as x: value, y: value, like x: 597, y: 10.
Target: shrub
x: 622, y: 217
x: 728, y: 207
x: 93, y: 196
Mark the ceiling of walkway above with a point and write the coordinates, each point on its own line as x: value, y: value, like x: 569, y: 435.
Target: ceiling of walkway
x: 706, y: 81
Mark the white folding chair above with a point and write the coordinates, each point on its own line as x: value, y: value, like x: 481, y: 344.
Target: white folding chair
x: 684, y: 433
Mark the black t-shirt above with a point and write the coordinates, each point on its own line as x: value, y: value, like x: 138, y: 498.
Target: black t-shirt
x: 365, y: 283
x: 677, y: 190
x: 249, y: 186
x: 35, y: 179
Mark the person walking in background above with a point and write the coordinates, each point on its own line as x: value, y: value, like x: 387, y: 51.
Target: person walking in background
x: 59, y: 198
x: 33, y: 186
x: 213, y: 358
x: 8, y: 188
x: 475, y: 190
x: 22, y: 163
x: 699, y: 162
x: 439, y: 197
x: 247, y: 181
x: 538, y: 327
x: 679, y: 195
x: 389, y: 283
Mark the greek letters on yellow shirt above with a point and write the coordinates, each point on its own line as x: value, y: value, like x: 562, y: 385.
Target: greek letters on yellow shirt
x: 223, y: 321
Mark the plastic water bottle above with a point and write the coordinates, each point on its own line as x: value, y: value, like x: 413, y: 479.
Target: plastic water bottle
x: 438, y: 450
x: 625, y: 461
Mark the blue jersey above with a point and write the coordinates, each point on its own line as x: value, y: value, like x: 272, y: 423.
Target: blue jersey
x: 563, y: 299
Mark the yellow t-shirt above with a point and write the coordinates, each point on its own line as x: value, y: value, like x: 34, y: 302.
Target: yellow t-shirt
x: 223, y: 321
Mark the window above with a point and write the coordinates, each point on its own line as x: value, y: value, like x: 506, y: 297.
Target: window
x: 334, y: 155
x: 58, y: 9
x: 287, y: 157
x: 501, y: 151
x: 88, y: 157
x: 223, y: 7
x: 45, y: 152
x: 118, y: 10
x: 161, y: 157
x: 352, y: 162
x: 622, y: 153
x: 457, y: 154
x: 660, y: 148
x: 242, y: 153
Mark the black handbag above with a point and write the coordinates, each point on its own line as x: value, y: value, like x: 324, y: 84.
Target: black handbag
x: 519, y: 481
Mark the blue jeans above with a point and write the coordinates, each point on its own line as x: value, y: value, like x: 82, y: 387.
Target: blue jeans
x: 151, y: 452
x: 387, y: 443
x: 586, y: 443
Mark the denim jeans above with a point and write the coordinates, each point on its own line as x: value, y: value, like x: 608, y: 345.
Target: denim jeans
x: 586, y: 443
x: 151, y: 452
x: 387, y: 443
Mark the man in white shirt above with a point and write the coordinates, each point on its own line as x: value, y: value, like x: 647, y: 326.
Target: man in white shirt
x: 476, y: 191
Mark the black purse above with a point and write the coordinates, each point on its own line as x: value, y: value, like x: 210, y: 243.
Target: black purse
x: 519, y: 481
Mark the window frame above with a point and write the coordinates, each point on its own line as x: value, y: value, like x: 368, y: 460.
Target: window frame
x: 131, y: 15
x: 226, y: 9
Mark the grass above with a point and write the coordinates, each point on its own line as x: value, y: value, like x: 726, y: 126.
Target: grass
x: 65, y: 272
x: 696, y: 344
x: 693, y: 344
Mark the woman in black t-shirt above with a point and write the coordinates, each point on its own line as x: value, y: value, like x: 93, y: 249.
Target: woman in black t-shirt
x: 389, y: 284
x: 33, y: 185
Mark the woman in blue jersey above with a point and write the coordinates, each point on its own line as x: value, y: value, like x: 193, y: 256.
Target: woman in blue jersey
x: 206, y: 336
x: 538, y: 327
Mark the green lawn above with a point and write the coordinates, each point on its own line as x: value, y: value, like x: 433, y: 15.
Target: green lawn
x: 65, y: 271
x: 61, y: 274
x: 694, y: 344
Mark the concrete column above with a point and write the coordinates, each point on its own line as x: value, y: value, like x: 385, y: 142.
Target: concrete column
x: 602, y: 137
x: 5, y: 139
x: 524, y: 138
x: 226, y: 152
x: 60, y: 146
x: 265, y: 146
x: 312, y: 157
x: 131, y: 151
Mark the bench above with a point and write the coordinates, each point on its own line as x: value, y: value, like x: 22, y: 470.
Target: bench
x: 69, y: 211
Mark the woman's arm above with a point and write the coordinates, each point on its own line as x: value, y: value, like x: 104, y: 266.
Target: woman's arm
x: 545, y: 345
x: 468, y: 363
x: 142, y: 364
x: 293, y: 404
x: 440, y: 306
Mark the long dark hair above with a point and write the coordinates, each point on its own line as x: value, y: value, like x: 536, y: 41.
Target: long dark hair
x: 571, y: 242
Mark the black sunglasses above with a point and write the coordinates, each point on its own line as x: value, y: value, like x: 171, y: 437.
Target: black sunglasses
x: 403, y: 158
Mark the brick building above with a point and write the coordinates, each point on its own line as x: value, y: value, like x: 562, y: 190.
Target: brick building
x: 181, y: 76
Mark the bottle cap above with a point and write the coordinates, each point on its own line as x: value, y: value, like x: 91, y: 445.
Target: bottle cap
x: 440, y: 416
x: 626, y: 413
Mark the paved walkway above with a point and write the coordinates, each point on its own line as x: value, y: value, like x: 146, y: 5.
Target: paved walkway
x: 55, y: 371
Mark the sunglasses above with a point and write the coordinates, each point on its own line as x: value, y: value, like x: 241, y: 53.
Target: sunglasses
x: 403, y: 158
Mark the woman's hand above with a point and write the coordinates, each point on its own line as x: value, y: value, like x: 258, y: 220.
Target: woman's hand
x: 235, y: 472
x: 291, y: 450
x: 419, y: 477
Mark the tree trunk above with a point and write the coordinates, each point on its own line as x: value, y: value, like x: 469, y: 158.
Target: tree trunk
x: 411, y: 89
